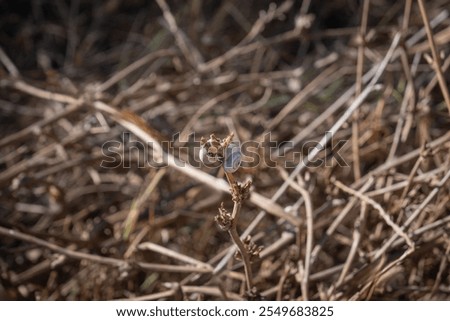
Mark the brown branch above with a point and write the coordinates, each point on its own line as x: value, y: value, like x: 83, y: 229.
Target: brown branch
x: 380, y: 209
x: 358, y: 89
x: 309, y: 234
x: 434, y: 52
x: 414, y: 215
x: 101, y: 259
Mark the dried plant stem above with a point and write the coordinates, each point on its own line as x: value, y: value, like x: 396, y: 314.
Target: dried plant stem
x: 9, y: 65
x: 409, y: 99
x: 142, y: 131
x: 163, y: 53
x: 230, y: 179
x: 414, y: 215
x: 327, y: 137
x: 413, y: 173
x: 235, y: 235
x: 191, y: 53
x: 402, y: 159
x: 81, y: 125
x: 434, y: 80
x: 286, y: 239
x: 205, y: 107
x: 367, y: 291
x: 309, y: 234
x: 24, y: 133
x: 377, y: 206
x: 208, y: 290
x: 240, y: 245
x: 100, y: 259
x: 137, y: 204
x: 41, y: 93
x: 337, y: 221
x: 357, y: 235
x: 171, y: 253
x: 359, y: 83
x: 423, y: 178
x: 372, y: 86
x: 436, y: 58
x: 309, y: 240
x: 442, y: 268
x: 321, y: 81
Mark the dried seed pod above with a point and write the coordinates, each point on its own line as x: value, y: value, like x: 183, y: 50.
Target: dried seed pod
x: 232, y: 157
x: 211, y: 150
x: 224, y: 219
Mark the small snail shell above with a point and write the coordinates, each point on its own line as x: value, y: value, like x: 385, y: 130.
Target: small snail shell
x: 203, y: 153
x: 232, y: 159
x: 210, y: 152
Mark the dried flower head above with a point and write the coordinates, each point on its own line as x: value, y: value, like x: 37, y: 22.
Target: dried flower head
x: 224, y: 218
x: 252, y: 249
x: 214, y: 150
x: 240, y: 192
x: 211, y: 150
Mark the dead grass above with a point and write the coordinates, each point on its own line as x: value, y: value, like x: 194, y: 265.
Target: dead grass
x: 371, y: 223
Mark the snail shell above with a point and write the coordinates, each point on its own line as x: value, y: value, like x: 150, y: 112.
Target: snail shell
x: 210, y: 152
x: 232, y: 159
x: 203, y: 153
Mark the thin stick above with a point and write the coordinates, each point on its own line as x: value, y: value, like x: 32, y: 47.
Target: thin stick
x: 191, y: 53
x: 442, y: 268
x: 370, y: 286
x: 241, y: 248
x: 208, y: 290
x: 408, y: 99
x: 9, y: 65
x: 413, y: 173
x: 400, y: 122
x: 205, y: 107
x: 414, y: 215
x: 137, y: 204
x: 424, y: 229
x: 357, y: 235
x: 281, y: 282
x: 24, y: 133
x: 338, y: 124
x: 326, y: 138
x: 41, y: 93
x: 402, y: 159
x: 101, y: 259
x: 436, y: 57
x: 143, y: 132
x: 351, y: 91
x: 425, y: 177
x: 359, y: 74
x: 433, y: 81
x: 337, y: 221
x: 173, y: 254
x: 235, y: 235
x: 318, y: 83
x: 377, y: 206
x: 243, y: 48
x: 132, y: 247
x: 134, y: 66
x: 334, y: 107
x: 309, y: 234
x: 406, y: 16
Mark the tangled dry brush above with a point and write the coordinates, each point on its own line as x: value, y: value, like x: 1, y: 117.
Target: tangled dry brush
x: 342, y: 112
